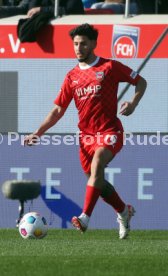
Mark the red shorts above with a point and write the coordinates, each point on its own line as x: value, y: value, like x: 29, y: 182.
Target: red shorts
x: 89, y: 143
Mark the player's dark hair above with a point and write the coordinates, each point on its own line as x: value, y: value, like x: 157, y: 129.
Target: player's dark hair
x: 84, y: 30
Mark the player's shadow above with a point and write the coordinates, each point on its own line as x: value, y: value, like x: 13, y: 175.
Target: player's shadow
x: 65, y: 208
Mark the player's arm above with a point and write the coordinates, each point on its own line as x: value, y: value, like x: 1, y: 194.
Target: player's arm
x: 128, y: 108
x: 123, y: 73
x: 51, y: 119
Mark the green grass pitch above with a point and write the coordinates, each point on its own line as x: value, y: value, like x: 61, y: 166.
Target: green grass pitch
x: 97, y: 252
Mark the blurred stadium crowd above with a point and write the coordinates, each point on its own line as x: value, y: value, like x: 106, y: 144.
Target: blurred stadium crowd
x: 30, y: 7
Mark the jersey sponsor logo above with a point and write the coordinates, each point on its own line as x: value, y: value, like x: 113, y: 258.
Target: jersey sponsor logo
x: 89, y: 91
x: 100, y: 76
x: 125, y: 41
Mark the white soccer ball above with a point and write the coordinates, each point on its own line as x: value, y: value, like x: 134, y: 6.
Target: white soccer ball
x: 33, y: 225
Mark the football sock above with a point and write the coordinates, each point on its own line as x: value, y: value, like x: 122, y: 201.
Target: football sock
x: 91, y: 197
x: 111, y: 197
x: 116, y: 202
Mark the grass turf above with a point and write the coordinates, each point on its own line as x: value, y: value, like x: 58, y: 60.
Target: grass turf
x: 97, y: 252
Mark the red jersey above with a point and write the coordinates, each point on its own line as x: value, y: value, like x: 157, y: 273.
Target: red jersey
x: 94, y: 90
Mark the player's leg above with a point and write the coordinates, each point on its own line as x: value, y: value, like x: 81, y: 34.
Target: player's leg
x: 101, y: 158
x: 95, y: 184
x: 124, y: 211
x: 114, y: 142
x: 110, y: 196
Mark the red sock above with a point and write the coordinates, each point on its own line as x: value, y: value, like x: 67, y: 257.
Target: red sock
x: 115, y: 201
x: 91, y: 197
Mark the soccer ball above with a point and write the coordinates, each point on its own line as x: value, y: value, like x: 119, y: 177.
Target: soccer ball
x: 33, y: 225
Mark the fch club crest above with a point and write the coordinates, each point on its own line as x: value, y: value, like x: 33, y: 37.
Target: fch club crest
x: 125, y: 41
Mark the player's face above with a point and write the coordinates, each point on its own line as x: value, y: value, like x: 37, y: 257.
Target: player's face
x: 84, y: 48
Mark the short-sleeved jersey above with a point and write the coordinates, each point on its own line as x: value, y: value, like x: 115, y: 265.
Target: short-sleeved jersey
x: 94, y: 91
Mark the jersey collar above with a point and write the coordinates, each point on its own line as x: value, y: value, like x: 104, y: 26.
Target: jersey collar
x: 89, y: 65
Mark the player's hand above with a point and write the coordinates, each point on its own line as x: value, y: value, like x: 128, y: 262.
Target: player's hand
x: 31, y: 139
x: 127, y: 108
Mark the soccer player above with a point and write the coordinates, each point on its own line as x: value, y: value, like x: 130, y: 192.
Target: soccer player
x: 93, y: 85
